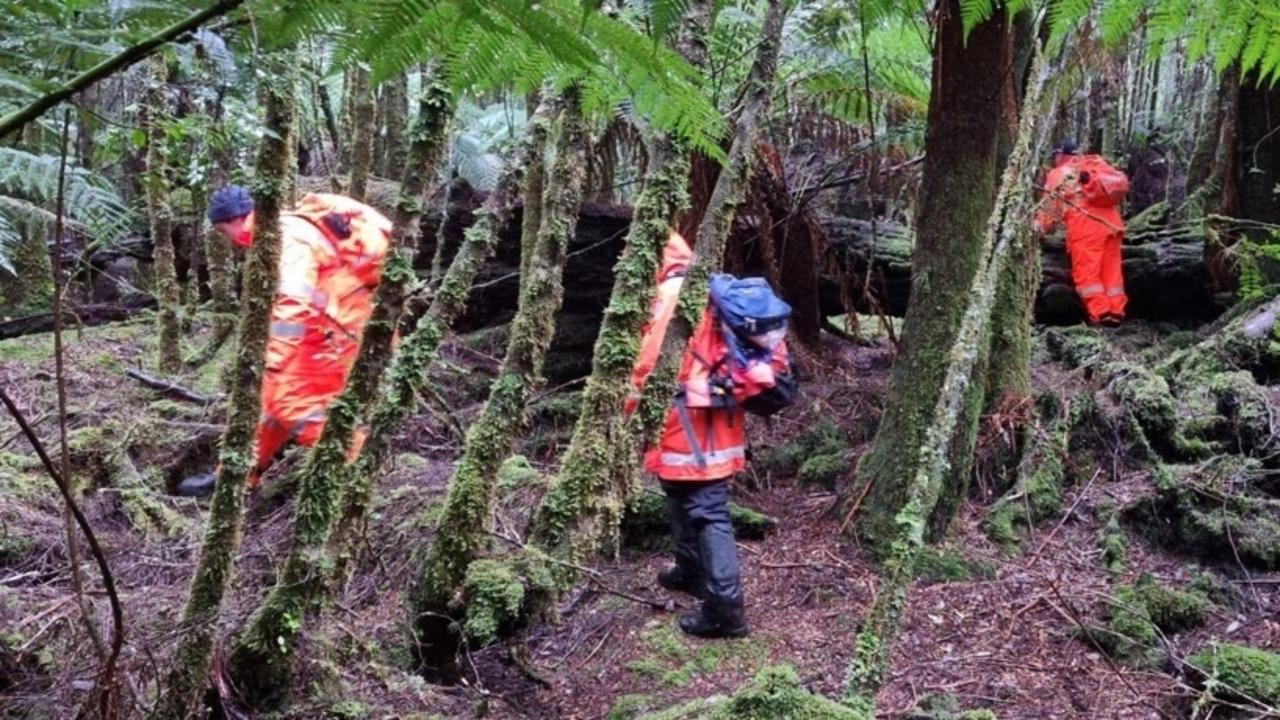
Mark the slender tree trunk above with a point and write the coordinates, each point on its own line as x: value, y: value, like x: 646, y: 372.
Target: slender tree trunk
x: 187, y: 678
x: 378, y: 165
x: 161, y: 217
x: 713, y: 231
x: 330, y: 122
x: 472, y: 489
x: 397, y: 118
x: 535, y: 180
x: 362, y: 129
x: 261, y: 661
x: 957, y: 194
x: 398, y: 397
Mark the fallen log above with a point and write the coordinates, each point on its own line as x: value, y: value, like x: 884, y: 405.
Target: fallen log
x: 170, y: 388
x: 90, y: 315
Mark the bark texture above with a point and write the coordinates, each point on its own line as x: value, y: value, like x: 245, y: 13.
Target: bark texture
x: 187, y: 679
x: 262, y: 659
x: 957, y: 193
x: 462, y: 532
x: 397, y: 118
x: 160, y: 215
x: 362, y: 130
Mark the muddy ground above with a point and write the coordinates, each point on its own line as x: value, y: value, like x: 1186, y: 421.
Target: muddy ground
x: 992, y: 629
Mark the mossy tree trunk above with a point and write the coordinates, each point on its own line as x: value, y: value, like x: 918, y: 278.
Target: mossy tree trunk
x: 957, y: 194
x: 160, y: 216
x: 583, y: 506
x: 535, y: 181
x: 261, y: 660
x: 397, y: 118
x: 462, y: 532
x: 713, y: 230
x: 362, y: 130
x: 929, y: 459
x: 398, y: 396
x: 187, y: 678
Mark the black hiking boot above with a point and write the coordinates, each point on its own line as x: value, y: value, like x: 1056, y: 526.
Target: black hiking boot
x: 1110, y: 320
x: 197, y: 486
x: 677, y: 580
x: 714, y: 624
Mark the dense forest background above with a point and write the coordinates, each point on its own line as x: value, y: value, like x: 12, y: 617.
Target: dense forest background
x: 980, y: 507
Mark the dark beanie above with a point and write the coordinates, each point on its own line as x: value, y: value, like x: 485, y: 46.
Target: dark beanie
x: 1067, y: 147
x: 229, y: 203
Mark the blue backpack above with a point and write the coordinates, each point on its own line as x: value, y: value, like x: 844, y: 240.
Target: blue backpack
x: 755, y: 320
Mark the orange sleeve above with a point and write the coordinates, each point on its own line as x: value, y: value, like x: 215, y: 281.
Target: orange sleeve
x: 1051, y: 208
x: 660, y: 314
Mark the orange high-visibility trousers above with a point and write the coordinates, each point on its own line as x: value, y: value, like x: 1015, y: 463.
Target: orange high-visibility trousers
x: 294, y: 407
x: 1097, y: 272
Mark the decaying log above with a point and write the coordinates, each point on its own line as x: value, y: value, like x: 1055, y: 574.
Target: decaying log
x: 170, y: 388
x: 94, y: 314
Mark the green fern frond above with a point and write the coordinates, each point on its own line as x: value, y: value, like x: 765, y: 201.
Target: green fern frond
x: 1066, y: 14
x: 89, y: 198
x: 975, y: 12
x: 1118, y: 18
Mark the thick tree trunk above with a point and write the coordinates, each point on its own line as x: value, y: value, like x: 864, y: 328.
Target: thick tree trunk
x: 957, y: 193
x: 713, y: 230
x: 160, y: 215
x: 1008, y: 370
x: 187, y: 679
x: 262, y: 659
x: 398, y: 396
x: 362, y: 129
x: 582, y: 510
x: 462, y: 531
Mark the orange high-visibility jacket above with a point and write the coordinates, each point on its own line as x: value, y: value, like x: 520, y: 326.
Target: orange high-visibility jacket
x: 1065, y: 203
x: 718, y: 427
x: 325, y: 295
x: 675, y: 260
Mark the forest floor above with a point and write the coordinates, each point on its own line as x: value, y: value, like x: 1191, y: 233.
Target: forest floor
x: 986, y: 626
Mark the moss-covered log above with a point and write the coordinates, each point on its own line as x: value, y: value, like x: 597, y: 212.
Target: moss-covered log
x: 185, y: 683
x: 362, y: 130
x: 262, y: 657
x: 462, y: 531
x: 398, y: 395
x: 160, y: 216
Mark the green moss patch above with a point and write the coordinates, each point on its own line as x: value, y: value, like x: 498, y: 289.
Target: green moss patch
x: 774, y: 694
x: 820, y: 456
x: 517, y: 472
x: 1240, y: 671
x: 1138, y: 614
x: 936, y: 565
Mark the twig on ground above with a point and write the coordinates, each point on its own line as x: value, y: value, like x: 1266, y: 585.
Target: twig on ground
x: 173, y: 389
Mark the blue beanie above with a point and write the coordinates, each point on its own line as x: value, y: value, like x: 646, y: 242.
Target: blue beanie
x: 229, y: 203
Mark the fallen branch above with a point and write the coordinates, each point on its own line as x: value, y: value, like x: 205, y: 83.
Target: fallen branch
x: 173, y: 389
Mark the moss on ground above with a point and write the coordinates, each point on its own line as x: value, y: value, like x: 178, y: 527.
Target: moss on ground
x: 1112, y: 540
x: 646, y: 526
x: 673, y: 660
x: 1139, y: 614
x: 946, y: 707
x: 1240, y: 671
x: 495, y: 596
x: 517, y: 472
x: 937, y: 565
x: 775, y: 693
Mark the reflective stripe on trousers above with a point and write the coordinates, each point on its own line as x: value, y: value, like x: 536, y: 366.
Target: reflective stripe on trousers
x: 1115, y: 291
x: 1091, y: 289
x: 710, y: 457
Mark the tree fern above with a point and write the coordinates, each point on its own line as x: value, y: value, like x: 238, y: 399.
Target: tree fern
x: 89, y: 198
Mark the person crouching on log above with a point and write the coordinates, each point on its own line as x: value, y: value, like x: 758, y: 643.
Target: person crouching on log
x: 735, y: 362
x: 1085, y: 193
x: 331, y: 256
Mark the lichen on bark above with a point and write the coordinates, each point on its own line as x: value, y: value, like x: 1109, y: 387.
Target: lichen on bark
x: 186, y: 680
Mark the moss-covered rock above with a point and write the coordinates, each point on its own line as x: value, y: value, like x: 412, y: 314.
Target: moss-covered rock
x: 15, y: 548
x: 495, y: 594
x: 646, y: 524
x: 1211, y: 510
x: 827, y: 439
x: 1240, y: 671
x: 1076, y: 346
x: 824, y: 470
x: 1170, y: 609
x: 1139, y: 614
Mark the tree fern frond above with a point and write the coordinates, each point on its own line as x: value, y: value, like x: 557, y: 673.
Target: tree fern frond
x: 89, y: 198
x: 1066, y: 14
x: 975, y: 12
x: 1118, y: 18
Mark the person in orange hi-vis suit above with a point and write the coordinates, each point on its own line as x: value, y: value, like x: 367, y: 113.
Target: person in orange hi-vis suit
x: 331, y: 257
x: 703, y: 444
x: 1095, y: 234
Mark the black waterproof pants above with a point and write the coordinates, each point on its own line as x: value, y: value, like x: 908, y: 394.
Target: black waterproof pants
x: 704, y: 544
